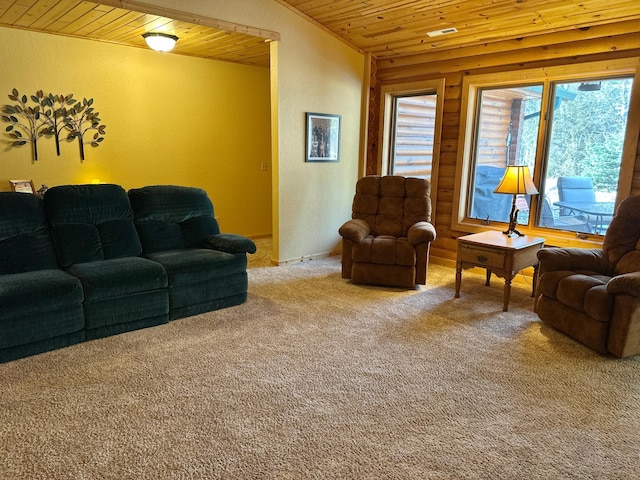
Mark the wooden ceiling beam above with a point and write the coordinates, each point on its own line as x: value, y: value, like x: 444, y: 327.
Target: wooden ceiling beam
x: 191, y: 18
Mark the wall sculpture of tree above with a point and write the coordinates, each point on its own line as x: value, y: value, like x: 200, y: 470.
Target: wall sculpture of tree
x: 52, y: 116
x: 81, y: 119
x: 54, y: 108
x: 25, y: 124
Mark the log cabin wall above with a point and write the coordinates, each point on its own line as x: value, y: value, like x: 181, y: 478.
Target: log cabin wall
x: 580, y: 46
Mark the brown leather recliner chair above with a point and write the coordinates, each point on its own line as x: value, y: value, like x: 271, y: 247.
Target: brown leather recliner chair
x: 388, y: 238
x: 593, y: 295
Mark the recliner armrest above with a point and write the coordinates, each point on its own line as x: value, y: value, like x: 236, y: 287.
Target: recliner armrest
x: 355, y: 230
x: 626, y: 283
x: 421, y: 232
x: 231, y: 243
x: 574, y: 259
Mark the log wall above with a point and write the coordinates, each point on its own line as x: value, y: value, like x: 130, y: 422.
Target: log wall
x: 595, y: 44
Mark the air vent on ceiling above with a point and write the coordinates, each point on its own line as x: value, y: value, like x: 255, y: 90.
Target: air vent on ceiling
x: 444, y: 31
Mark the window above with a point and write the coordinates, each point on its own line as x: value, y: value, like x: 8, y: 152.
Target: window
x: 569, y: 128
x: 410, y: 131
x: 413, y: 132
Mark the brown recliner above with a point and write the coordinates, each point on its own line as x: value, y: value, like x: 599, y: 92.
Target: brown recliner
x: 593, y: 295
x: 388, y: 238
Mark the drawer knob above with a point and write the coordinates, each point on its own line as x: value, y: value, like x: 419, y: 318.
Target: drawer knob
x: 481, y: 258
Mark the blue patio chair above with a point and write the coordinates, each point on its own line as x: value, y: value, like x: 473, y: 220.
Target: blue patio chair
x: 575, y: 190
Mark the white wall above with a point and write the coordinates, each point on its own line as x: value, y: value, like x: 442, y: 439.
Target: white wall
x: 316, y: 73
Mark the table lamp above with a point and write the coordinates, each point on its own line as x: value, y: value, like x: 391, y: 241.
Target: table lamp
x: 516, y: 181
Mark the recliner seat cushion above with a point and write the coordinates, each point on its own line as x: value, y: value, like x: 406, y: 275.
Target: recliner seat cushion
x: 39, y: 305
x: 199, y: 276
x: 585, y: 293
x: 384, y: 250
x: 197, y: 264
x: 119, y: 277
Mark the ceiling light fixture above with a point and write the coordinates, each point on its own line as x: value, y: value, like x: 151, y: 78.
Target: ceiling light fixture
x: 160, y: 42
x: 444, y: 31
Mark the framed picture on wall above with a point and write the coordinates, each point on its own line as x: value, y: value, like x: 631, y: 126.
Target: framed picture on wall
x: 323, y: 137
x: 22, y: 186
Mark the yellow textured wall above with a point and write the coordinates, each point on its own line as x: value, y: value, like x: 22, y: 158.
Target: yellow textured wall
x: 315, y: 73
x: 170, y: 120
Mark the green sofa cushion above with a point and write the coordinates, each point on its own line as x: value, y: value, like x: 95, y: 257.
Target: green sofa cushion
x: 198, y: 264
x: 77, y: 243
x: 196, y: 230
x: 170, y: 217
x: 39, y: 305
x: 25, y: 244
x: 156, y: 236
x: 91, y: 222
x: 27, y: 252
x: 200, y: 275
x: 118, y: 277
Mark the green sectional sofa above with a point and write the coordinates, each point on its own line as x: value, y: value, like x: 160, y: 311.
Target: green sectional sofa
x: 207, y: 270
x: 40, y: 304
x: 90, y: 261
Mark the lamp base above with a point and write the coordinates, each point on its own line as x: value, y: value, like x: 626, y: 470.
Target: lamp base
x: 513, y: 233
x: 513, y: 221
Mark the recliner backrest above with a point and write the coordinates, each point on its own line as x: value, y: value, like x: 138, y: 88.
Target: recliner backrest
x: 171, y: 217
x: 25, y: 244
x: 622, y: 240
x: 391, y: 204
x: 90, y: 223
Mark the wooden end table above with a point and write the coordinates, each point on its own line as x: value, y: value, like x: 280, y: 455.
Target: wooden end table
x: 497, y: 253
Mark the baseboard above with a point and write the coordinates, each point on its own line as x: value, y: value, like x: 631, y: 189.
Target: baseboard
x: 306, y: 258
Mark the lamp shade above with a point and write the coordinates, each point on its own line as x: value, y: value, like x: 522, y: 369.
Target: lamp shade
x: 516, y: 180
x: 160, y: 42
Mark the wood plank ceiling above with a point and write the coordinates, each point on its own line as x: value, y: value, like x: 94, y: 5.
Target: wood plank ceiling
x: 388, y: 29
x: 108, y: 23
x: 394, y: 28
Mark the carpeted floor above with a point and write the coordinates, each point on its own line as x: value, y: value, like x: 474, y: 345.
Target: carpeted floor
x: 316, y: 378
x: 262, y: 257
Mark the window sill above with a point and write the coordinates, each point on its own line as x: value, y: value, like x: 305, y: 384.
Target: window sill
x: 553, y: 238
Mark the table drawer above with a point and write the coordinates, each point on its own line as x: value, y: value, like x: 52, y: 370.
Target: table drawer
x: 481, y: 256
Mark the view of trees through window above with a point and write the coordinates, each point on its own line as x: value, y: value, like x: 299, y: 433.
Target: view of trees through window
x: 581, y: 150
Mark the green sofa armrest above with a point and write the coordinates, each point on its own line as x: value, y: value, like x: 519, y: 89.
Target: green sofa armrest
x: 231, y: 243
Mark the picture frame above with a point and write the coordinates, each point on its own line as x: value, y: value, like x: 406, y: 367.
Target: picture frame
x: 22, y: 186
x: 323, y: 137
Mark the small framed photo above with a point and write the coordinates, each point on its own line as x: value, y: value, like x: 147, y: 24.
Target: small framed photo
x: 22, y: 186
x: 323, y: 137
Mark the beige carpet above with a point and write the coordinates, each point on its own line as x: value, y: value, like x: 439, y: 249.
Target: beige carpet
x: 315, y: 378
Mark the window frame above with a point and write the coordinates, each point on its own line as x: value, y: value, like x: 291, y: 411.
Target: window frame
x: 387, y: 95
x: 472, y: 84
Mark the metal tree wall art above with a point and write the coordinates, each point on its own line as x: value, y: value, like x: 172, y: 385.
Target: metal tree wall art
x: 24, y: 122
x: 51, y: 115
x: 54, y: 109
x: 81, y: 119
